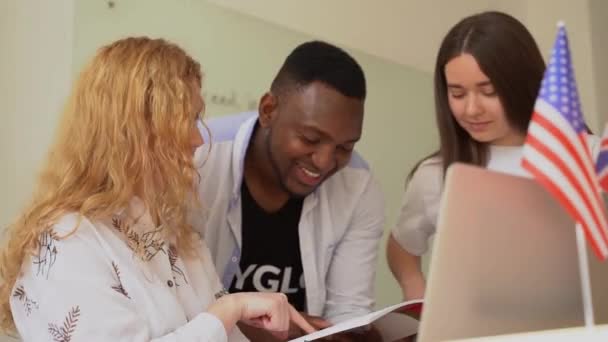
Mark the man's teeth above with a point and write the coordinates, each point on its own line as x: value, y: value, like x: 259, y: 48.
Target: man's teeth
x: 310, y: 173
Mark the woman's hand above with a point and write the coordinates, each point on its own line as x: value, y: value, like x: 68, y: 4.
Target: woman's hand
x: 269, y: 311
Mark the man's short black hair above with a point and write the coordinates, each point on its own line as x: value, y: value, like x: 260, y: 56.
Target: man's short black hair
x: 322, y: 62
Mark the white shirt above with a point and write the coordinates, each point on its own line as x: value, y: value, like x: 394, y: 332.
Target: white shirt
x: 90, y: 286
x: 417, y: 220
x: 340, y: 225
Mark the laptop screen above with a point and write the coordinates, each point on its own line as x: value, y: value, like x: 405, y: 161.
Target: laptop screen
x: 504, y: 260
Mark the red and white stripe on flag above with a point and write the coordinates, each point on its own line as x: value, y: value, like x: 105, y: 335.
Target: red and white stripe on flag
x: 559, y: 158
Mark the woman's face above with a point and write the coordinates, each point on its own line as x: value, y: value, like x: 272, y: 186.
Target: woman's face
x: 475, y: 104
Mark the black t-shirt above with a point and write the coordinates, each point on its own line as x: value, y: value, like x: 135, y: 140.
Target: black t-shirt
x: 270, y: 256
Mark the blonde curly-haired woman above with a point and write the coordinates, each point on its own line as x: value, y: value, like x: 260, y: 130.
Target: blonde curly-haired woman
x: 104, y: 251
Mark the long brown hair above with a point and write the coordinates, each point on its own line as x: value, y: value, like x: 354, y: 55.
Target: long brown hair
x: 127, y: 123
x: 507, y: 53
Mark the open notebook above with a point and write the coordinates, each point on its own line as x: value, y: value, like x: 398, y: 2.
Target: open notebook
x: 393, y: 323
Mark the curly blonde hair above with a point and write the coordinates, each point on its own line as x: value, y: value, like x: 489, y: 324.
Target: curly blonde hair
x: 125, y: 130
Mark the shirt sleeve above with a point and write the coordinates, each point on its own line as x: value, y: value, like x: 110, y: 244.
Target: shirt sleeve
x: 351, y: 275
x: 417, y: 218
x: 71, y: 290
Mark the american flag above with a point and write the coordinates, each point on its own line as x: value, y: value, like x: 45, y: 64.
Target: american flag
x: 601, y: 165
x: 556, y: 152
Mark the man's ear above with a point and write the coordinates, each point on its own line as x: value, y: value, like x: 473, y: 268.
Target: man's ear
x: 267, y: 109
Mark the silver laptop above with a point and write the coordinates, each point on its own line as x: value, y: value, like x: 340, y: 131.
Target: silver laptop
x: 504, y: 261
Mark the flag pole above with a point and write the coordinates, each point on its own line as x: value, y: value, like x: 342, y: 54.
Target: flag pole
x: 583, y: 262
x: 583, y: 265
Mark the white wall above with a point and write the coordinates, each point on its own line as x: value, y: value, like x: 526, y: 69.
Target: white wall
x: 599, y: 43
x: 542, y: 17
x: 406, y: 32
x: 35, y: 64
x: 8, y: 59
x: 409, y: 32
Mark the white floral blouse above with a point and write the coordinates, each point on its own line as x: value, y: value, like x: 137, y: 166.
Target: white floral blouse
x: 90, y: 286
